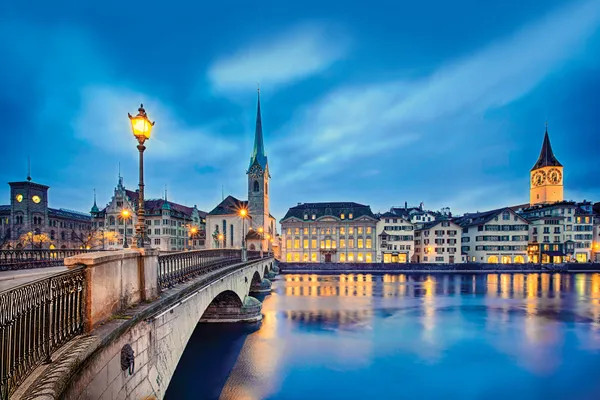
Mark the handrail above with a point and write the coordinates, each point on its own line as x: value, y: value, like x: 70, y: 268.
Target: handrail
x: 17, y: 259
x: 36, y: 319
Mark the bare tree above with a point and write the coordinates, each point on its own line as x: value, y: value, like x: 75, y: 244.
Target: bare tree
x: 95, y: 238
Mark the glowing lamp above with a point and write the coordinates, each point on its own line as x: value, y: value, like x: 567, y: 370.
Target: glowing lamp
x: 141, y: 125
x: 243, y: 213
x: 261, y: 229
x: 220, y: 236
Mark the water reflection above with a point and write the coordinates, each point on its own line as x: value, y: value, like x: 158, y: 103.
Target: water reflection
x: 323, y: 333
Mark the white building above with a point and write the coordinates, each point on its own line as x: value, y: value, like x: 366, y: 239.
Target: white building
x: 496, y: 236
x: 438, y: 242
x: 396, y: 239
x: 224, y: 223
x: 169, y: 226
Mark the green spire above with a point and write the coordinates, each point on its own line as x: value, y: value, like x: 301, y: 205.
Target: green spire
x: 258, y: 153
x: 95, y: 208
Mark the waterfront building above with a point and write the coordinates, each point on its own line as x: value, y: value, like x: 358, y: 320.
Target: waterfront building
x: 495, y: 236
x: 438, y: 242
x: 546, y: 176
x: 28, y: 221
x: 396, y: 238
x: 224, y: 222
x: 169, y: 226
x: 329, y: 232
x: 418, y: 215
x: 596, y: 233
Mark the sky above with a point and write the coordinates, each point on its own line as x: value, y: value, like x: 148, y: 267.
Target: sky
x: 379, y: 103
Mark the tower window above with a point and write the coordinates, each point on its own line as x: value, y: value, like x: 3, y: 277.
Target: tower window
x: 256, y: 186
x: 266, y: 188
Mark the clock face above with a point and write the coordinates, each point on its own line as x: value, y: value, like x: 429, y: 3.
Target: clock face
x: 36, y: 199
x: 554, y: 176
x: 19, y: 197
x: 538, y: 178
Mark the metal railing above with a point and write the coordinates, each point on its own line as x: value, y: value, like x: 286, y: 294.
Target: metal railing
x: 36, y: 258
x: 179, y: 267
x: 36, y: 319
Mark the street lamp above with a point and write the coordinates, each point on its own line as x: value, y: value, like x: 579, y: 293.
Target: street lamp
x: 125, y: 215
x: 243, y: 215
x: 221, y: 237
x: 261, y: 231
x: 141, y: 128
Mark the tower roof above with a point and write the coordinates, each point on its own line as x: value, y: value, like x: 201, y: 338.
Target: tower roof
x: 547, y: 158
x: 258, y: 153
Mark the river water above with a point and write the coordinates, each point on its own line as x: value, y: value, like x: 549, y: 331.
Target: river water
x: 405, y: 336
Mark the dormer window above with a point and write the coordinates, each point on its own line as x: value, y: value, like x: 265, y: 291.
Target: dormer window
x: 305, y: 216
x: 314, y: 216
x: 342, y: 216
x: 350, y: 216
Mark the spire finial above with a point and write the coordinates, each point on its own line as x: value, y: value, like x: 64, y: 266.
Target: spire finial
x: 29, y: 168
x: 546, y: 125
x: 166, y: 192
x: 258, y: 86
x: 94, y: 196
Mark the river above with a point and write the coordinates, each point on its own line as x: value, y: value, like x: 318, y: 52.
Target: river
x: 405, y: 336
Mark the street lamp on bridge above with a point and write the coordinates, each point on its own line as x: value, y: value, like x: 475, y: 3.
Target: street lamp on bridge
x: 125, y: 215
x: 243, y: 213
x: 141, y: 127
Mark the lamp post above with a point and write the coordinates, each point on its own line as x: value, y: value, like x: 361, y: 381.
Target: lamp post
x: 141, y: 127
x: 125, y: 215
x: 193, y: 232
x: 221, y: 237
x: 261, y: 231
x: 243, y: 215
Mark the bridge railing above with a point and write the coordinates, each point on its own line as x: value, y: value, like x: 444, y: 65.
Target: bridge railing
x: 179, y: 267
x: 36, y: 319
x: 36, y: 258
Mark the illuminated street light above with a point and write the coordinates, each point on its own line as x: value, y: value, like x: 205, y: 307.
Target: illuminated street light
x: 243, y: 213
x: 125, y: 215
x: 141, y: 128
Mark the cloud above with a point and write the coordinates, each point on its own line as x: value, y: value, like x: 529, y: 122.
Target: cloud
x: 351, y: 123
x: 294, y: 55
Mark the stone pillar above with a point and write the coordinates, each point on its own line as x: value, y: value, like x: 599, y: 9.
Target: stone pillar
x: 116, y: 280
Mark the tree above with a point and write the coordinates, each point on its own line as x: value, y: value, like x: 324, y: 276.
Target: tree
x: 96, y: 238
x: 34, y: 240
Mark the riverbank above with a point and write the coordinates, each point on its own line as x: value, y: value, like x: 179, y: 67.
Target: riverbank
x: 378, y: 268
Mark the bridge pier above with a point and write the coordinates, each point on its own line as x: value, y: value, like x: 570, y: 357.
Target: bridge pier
x: 228, y: 309
x: 262, y: 287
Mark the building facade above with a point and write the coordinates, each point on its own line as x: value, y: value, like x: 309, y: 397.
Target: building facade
x: 258, y: 226
x: 496, y: 236
x: 28, y: 221
x: 438, y: 242
x: 329, y: 232
x: 169, y: 226
x: 396, y: 239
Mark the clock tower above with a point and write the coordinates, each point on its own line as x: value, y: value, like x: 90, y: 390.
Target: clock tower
x: 258, y: 180
x: 546, y: 177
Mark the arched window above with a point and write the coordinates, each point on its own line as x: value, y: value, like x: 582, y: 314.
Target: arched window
x: 266, y: 188
x: 111, y: 220
x: 52, y: 234
x: 493, y: 259
x: 252, y: 247
x: 256, y: 186
x: 519, y: 259
x: 62, y: 235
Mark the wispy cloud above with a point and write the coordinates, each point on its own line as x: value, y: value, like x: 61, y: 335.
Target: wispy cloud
x: 355, y: 122
x: 293, y: 55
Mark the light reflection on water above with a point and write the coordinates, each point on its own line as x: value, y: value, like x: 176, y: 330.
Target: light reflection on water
x: 426, y: 336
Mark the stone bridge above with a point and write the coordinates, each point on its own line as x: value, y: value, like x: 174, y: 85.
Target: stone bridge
x: 140, y: 312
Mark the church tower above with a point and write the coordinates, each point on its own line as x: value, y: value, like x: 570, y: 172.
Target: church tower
x: 258, y: 179
x: 546, y: 177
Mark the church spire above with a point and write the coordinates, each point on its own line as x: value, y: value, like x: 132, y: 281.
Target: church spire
x: 95, y: 207
x: 547, y: 157
x: 258, y: 153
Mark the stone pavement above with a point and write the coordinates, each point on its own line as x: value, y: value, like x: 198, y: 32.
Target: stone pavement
x: 10, y: 279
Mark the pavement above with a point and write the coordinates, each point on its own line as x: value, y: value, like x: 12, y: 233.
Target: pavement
x: 10, y: 279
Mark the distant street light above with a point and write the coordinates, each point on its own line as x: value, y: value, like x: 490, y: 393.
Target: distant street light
x: 142, y: 128
x: 221, y: 237
x: 125, y: 215
x: 243, y: 213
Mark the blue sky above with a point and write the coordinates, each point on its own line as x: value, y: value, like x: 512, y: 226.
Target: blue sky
x: 379, y: 103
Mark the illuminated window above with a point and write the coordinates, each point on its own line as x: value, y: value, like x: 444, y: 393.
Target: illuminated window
x: 368, y: 230
x: 350, y: 230
x: 288, y: 257
x: 350, y: 243
x: 306, y: 231
x: 360, y: 243
x: 328, y: 231
x: 288, y: 243
x: 360, y: 230
x: 350, y: 257
x: 305, y: 257
x: 297, y: 231
x: 342, y: 243
x: 328, y: 244
x: 289, y: 231
x: 387, y: 258
x: 322, y: 244
x: 342, y: 230
x: 313, y: 243
x: 314, y: 216
x: 333, y: 244
x: 342, y: 216
x: 368, y: 243
x: 322, y: 231
x: 333, y: 230
x: 313, y: 257
x: 305, y: 216
x: 369, y: 258
x: 297, y: 243
x: 305, y: 244
x: 360, y: 257
x: 314, y: 231
x: 296, y: 257
x: 350, y: 215
x: 342, y: 257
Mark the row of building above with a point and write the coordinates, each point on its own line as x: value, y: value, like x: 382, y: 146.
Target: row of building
x: 548, y: 229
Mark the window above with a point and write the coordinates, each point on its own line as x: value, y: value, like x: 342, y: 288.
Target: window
x: 313, y: 257
x: 305, y: 216
x: 368, y: 243
x: 322, y: 244
x: 342, y: 216
x: 360, y: 257
x: 360, y: 243
x: 288, y: 243
x: 314, y: 216
x: 439, y: 259
x: 288, y: 257
x: 306, y: 231
x: 350, y: 257
x: 342, y: 230
x: 351, y: 230
x: 360, y: 230
x: 296, y: 243
x: 305, y: 257
x: 350, y: 216
x: 342, y: 243
x: 157, y: 242
x: 256, y: 187
x: 368, y: 230
x: 369, y: 258
x: 506, y: 216
x: 313, y: 243
x: 305, y: 244
x: 350, y: 243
